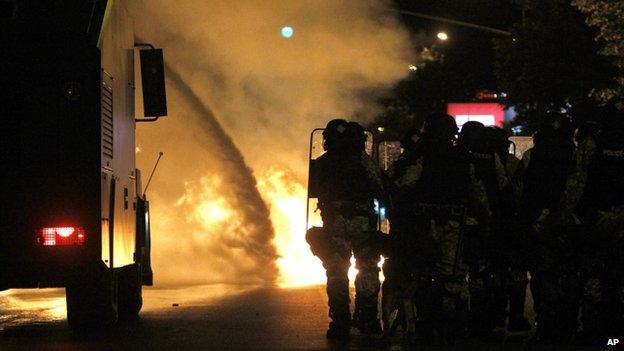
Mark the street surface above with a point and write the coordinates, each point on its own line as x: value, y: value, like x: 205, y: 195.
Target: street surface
x: 213, y: 317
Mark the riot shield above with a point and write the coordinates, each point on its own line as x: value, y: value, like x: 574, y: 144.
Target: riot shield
x: 521, y: 144
x: 313, y: 218
x: 387, y: 153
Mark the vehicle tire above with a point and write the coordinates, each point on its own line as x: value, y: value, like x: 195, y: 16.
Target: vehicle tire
x: 92, y: 299
x: 129, y: 291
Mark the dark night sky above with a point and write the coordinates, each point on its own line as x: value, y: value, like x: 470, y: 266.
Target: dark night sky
x: 469, y: 53
x: 493, y: 13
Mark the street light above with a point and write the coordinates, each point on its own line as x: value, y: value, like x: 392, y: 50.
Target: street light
x: 455, y: 22
x: 442, y: 36
x: 287, y: 32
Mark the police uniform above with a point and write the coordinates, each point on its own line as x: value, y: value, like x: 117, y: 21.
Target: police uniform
x: 348, y: 181
x: 594, y: 192
x: 441, y: 184
x: 554, y: 283
x: 485, y: 255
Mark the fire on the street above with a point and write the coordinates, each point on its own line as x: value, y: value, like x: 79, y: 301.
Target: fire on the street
x: 287, y: 200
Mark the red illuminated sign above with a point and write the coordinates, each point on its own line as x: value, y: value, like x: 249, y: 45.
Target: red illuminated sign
x: 488, y: 113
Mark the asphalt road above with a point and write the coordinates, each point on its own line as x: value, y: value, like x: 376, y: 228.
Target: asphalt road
x: 195, y: 318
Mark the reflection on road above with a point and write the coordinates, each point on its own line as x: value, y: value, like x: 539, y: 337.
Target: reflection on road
x: 19, y: 307
x: 32, y: 306
x: 197, y: 318
x: 223, y: 317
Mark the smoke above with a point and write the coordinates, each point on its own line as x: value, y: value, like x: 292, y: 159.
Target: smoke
x: 237, y: 87
x: 226, y: 218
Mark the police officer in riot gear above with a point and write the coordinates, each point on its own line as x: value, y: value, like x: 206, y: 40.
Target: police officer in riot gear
x: 510, y: 263
x: 409, y: 144
x: 482, y: 256
x: 594, y: 193
x: 348, y: 181
x: 554, y: 277
x: 441, y: 185
x: 395, y: 294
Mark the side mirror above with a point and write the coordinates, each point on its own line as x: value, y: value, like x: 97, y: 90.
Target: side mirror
x: 153, y: 83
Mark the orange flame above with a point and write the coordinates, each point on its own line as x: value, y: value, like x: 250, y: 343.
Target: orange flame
x: 287, y: 200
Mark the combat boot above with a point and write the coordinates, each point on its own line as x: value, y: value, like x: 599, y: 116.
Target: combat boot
x: 370, y: 327
x: 341, y: 320
x: 338, y: 330
x: 518, y: 324
x: 367, y: 321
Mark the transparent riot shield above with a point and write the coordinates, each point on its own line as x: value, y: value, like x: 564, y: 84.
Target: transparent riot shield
x: 313, y: 217
x: 520, y: 145
x: 387, y: 153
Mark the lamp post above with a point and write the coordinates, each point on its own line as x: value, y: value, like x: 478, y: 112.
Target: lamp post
x: 455, y: 22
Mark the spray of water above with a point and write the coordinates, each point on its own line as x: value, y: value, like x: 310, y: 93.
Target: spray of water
x: 238, y: 87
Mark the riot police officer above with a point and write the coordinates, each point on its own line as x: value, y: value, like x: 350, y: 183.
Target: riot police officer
x: 594, y: 193
x: 485, y: 260
x: 441, y: 184
x: 553, y: 273
x: 348, y: 181
x: 512, y: 243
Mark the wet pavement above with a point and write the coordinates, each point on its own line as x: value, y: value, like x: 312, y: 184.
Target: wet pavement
x: 215, y: 317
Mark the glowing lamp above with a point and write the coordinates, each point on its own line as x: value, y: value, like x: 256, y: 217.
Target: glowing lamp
x: 287, y: 32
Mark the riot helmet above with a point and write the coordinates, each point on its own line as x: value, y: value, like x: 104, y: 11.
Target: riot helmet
x: 497, y: 140
x: 556, y: 122
x: 335, y: 134
x: 440, y: 126
x: 410, y: 139
x: 357, y: 137
x: 472, y: 135
x: 556, y: 128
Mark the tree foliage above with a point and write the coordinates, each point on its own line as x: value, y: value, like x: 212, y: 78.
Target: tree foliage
x: 608, y: 17
x: 551, y: 62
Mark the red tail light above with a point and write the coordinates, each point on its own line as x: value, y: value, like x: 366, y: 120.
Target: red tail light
x: 54, y: 236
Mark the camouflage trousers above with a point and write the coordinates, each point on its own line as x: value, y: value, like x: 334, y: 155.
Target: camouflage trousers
x: 497, y: 277
x: 431, y: 256
x: 344, y: 236
x: 555, y: 284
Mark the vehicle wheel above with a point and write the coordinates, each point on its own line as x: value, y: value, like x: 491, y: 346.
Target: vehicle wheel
x: 92, y: 299
x: 129, y: 291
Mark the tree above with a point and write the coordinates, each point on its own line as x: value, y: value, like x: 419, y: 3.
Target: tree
x: 608, y: 17
x: 552, y: 62
x: 454, y: 74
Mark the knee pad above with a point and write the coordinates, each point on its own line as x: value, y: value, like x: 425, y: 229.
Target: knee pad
x: 367, y: 277
x: 367, y: 287
x: 454, y: 293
